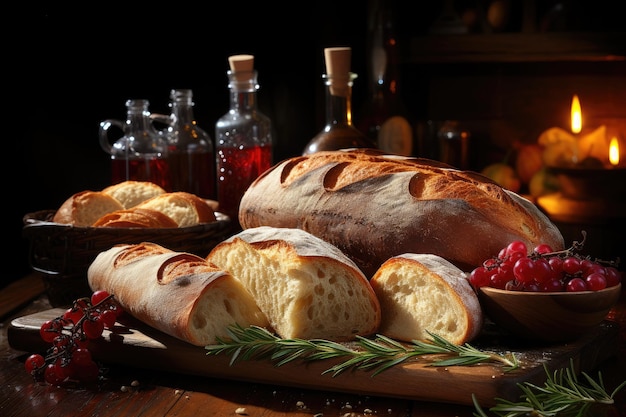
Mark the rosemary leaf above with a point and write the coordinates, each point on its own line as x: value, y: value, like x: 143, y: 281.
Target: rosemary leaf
x: 376, y: 355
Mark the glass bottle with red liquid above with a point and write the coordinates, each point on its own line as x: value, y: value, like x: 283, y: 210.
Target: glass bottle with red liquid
x: 141, y: 153
x: 191, y: 153
x: 243, y: 138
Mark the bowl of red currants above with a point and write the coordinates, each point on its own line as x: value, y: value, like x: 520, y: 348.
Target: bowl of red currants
x: 547, y: 296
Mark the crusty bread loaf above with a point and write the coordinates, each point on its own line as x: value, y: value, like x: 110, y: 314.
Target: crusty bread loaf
x: 374, y: 206
x: 305, y: 286
x: 84, y: 208
x: 178, y: 293
x: 421, y: 293
x: 136, y: 217
x: 184, y: 208
x: 131, y: 193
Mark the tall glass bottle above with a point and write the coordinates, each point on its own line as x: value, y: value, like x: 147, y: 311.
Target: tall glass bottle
x: 338, y: 132
x: 141, y: 153
x: 243, y: 137
x: 191, y: 154
x: 384, y: 116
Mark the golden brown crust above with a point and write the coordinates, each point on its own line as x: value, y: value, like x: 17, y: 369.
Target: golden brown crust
x: 136, y: 217
x: 82, y: 209
x: 373, y: 207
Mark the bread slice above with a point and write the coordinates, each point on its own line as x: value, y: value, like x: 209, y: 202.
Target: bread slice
x: 422, y: 293
x: 306, y: 287
x: 131, y: 193
x: 184, y: 208
x: 136, y: 217
x: 175, y: 292
x: 84, y: 208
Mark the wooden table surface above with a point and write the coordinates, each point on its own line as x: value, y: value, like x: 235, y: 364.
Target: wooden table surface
x: 129, y: 391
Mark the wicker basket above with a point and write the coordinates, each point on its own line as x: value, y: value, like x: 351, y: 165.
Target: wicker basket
x: 62, y: 253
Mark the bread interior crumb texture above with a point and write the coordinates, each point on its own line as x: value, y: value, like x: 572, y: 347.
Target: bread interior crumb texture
x: 303, y: 297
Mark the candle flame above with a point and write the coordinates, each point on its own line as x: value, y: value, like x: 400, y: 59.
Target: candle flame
x: 577, y: 116
x: 614, y: 152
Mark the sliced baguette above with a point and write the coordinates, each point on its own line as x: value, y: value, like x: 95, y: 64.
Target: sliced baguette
x: 132, y: 193
x: 421, y: 293
x: 136, y: 217
x: 306, y: 287
x: 184, y: 208
x: 84, y: 208
x: 177, y: 293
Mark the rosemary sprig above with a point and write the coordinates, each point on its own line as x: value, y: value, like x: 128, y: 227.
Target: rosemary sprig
x: 562, y: 394
x: 377, y: 354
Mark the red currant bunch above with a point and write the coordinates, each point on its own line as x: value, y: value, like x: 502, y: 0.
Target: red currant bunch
x: 68, y: 358
x: 543, y: 270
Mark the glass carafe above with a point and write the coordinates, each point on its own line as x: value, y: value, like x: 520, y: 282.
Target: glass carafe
x: 140, y: 154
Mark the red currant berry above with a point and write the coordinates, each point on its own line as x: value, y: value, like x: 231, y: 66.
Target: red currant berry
x: 524, y: 270
x: 576, y: 285
x: 34, y: 362
x: 93, y: 328
x: 613, y: 276
x: 595, y: 281
x: 571, y: 265
x: 543, y: 249
x: 98, y: 296
x: 516, y: 246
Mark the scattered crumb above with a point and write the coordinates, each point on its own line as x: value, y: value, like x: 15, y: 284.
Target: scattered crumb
x: 124, y: 388
x: 241, y: 411
x: 300, y: 404
x: 135, y: 383
x: 178, y: 392
x: 368, y: 411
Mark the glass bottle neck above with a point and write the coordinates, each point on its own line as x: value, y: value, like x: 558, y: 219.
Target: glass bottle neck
x: 138, y: 116
x: 339, y: 99
x: 182, y: 107
x: 243, y: 90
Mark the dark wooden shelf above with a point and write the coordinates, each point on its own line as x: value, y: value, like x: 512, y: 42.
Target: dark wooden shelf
x: 517, y: 47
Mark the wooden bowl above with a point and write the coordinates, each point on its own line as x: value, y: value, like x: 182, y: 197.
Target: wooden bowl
x: 548, y: 316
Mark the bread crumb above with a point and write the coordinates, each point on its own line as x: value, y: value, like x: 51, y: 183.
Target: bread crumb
x: 124, y: 388
x: 368, y: 411
x: 135, y: 383
x: 178, y: 392
x: 300, y: 404
x: 241, y: 411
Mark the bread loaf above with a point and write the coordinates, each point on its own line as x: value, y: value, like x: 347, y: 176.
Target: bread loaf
x: 374, y: 206
x: 184, y: 208
x: 136, y: 217
x: 421, y: 293
x: 84, y: 208
x: 305, y: 286
x: 177, y: 293
x: 131, y: 193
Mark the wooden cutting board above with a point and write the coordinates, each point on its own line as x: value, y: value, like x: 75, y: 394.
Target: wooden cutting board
x: 135, y: 344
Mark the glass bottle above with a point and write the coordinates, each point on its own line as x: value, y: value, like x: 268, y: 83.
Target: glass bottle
x: 243, y: 138
x: 191, y: 154
x: 338, y: 132
x: 141, y: 153
x: 384, y: 116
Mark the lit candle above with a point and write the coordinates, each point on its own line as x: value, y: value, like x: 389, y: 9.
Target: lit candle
x: 577, y: 116
x: 614, y: 152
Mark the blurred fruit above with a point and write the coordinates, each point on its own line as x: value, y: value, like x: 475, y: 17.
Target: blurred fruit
x: 528, y: 161
x: 498, y: 14
x: 543, y: 182
x: 504, y: 175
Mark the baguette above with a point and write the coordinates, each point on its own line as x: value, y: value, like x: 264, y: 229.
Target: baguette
x: 421, y: 293
x: 177, y: 293
x: 305, y: 286
x: 374, y: 206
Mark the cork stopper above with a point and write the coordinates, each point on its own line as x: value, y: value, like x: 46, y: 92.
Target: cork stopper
x: 338, y: 68
x: 241, y: 64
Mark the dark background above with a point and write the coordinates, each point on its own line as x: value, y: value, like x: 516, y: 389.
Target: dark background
x: 69, y: 67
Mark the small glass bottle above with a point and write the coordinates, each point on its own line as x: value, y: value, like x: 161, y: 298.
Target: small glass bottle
x: 191, y: 154
x: 339, y: 132
x: 141, y: 153
x: 243, y: 139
